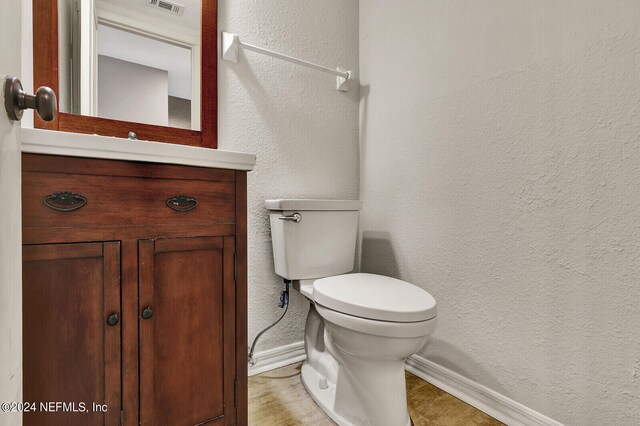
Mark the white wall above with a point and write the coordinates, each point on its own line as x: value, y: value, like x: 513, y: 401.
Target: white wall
x: 500, y: 170
x: 304, y: 132
x: 10, y: 225
x: 26, y: 43
x: 132, y: 92
x: 154, y: 53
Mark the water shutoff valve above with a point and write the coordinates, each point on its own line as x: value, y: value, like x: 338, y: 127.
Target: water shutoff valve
x: 284, y: 298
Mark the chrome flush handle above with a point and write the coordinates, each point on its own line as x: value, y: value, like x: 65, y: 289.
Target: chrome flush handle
x: 296, y: 217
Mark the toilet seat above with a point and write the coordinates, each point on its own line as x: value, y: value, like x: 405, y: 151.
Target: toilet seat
x: 374, y: 297
x: 376, y: 327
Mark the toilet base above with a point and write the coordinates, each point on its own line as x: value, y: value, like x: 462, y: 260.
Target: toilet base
x: 347, y: 388
x: 325, y: 398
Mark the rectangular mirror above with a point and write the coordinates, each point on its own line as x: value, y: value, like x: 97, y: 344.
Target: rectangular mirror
x: 130, y: 66
x: 128, y: 60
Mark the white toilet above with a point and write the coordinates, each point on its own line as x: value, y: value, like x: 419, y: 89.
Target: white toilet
x: 360, y: 327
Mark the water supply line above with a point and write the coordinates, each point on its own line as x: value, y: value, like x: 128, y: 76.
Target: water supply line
x: 284, y: 303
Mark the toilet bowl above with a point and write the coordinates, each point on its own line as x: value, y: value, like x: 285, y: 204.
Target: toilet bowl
x: 355, y: 366
x: 360, y: 327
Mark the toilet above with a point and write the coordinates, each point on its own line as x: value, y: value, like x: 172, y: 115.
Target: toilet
x: 360, y: 327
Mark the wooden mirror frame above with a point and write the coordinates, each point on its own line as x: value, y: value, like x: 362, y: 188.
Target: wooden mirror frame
x: 46, y: 73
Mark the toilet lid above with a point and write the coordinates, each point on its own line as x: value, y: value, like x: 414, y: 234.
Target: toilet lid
x: 374, y: 297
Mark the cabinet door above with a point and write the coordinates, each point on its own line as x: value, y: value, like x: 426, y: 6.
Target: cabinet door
x: 71, y: 352
x: 182, y: 331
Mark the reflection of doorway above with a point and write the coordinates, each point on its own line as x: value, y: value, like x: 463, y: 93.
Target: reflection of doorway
x: 97, y: 34
x: 144, y: 79
x: 77, y: 57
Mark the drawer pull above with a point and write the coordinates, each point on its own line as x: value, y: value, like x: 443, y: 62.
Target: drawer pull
x: 64, y: 201
x: 182, y: 203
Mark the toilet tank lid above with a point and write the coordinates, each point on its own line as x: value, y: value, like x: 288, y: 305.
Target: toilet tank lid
x: 374, y: 297
x: 312, y: 204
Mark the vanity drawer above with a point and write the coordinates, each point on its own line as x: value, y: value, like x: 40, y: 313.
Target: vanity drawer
x: 55, y: 199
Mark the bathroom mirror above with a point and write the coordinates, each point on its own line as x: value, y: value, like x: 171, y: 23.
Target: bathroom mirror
x: 130, y: 68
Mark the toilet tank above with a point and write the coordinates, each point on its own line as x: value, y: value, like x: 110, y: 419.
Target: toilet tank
x: 321, y: 244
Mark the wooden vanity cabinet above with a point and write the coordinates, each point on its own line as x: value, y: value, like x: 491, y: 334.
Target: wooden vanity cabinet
x: 134, y: 292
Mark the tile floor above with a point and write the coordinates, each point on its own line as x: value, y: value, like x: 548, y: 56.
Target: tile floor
x: 278, y: 398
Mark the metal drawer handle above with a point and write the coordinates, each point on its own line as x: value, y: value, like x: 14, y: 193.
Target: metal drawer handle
x: 296, y: 217
x: 64, y: 201
x: 182, y: 203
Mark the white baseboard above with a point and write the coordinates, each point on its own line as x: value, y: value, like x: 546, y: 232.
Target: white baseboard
x: 277, y: 357
x: 484, y: 399
x: 491, y: 402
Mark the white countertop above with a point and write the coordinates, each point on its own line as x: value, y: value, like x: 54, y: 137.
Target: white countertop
x: 37, y: 141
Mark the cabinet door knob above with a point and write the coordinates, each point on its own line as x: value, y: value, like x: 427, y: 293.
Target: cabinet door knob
x: 113, y: 319
x: 147, y: 313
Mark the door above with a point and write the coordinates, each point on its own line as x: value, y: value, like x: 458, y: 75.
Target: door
x: 71, y: 333
x: 10, y: 223
x: 182, y: 331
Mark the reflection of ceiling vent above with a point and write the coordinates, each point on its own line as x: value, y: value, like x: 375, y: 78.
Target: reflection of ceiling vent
x: 167, y: 6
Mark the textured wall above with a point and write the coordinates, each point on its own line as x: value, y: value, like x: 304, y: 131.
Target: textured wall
x: 304, y: 132
x: 500, y: 170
